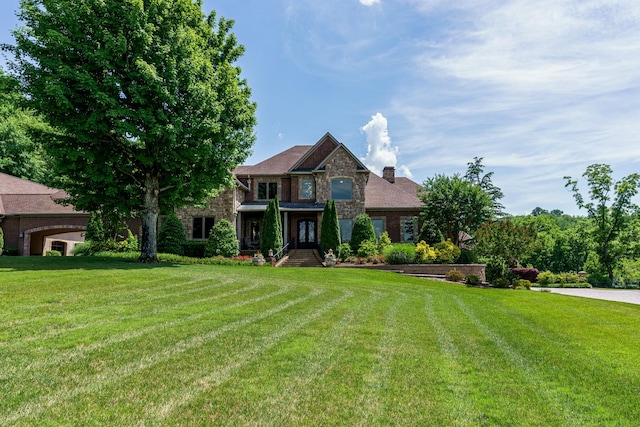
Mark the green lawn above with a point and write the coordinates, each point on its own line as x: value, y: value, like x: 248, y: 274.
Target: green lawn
x: 89, y: 341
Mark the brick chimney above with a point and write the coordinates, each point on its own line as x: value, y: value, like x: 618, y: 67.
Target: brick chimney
x: 389, y: 173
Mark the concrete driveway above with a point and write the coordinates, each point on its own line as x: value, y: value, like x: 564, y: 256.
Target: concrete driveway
x: 631, y: 296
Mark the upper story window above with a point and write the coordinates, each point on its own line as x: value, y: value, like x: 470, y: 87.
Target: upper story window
x: 267, y: 190
x: 306, y: 188
x: 341, y: 189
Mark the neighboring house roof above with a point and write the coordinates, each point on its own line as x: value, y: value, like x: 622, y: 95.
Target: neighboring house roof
x: 381, y: 194
x: 19, y: 196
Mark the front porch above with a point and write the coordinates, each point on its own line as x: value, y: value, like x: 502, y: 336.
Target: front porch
x: 300, y: 224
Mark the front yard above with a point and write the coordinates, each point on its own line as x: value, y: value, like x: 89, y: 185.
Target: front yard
x: 91, y: 341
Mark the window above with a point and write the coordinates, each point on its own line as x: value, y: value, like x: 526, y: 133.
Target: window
x: 346, y: 226
x: 306, y: 188
x: 202, y: 227
x: 409, y: 229
x: 267, y: 190
x: 341, y: 188
x: 378, y: 226
x: 59, y: 246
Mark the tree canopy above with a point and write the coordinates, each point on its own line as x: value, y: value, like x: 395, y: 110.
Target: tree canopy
x: 153, y: 110
x: 454, y: 205
x: 610, y: 207
x: 21, y: 134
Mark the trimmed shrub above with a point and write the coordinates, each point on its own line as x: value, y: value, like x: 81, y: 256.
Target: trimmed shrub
x: 272, y: 232
x: 530, y: 274
x: 447, y: 252
x: 368, y: 248
x: 501, y: 282
x: 53, y: 253
x: 81, y: 249
x: 130, y: 244
x: 384, y: 242
x: 330, y: 232
x: 194, y: 249
x: 546, y: 278
x: 222, y: 240
x: 344, y: 251
x: 172, y: 237
x: 472, y: 280
x: 400, y: 253
x: 523, y: 284
x: 362, y: 230
x: 454, y: 276
x: 10, y: 252
x: 425, y: 254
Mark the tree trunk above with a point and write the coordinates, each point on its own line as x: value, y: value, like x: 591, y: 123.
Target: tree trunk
x: 149, y: 254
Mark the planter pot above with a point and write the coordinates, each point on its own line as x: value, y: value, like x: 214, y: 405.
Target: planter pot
x: 258, y: 261
x: 330, y: 261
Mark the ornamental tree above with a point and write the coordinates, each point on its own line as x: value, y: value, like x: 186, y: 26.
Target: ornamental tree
x: 453, y: 205
x: 330, y: 232
x: 272, y: 228
x: 610, y: 208
x: 153, y: 111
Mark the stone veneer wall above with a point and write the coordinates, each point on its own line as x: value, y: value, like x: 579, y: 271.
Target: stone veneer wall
x: 342, y: 165
x: 222, y: 206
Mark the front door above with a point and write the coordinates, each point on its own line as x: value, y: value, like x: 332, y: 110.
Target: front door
x: 306, y: 234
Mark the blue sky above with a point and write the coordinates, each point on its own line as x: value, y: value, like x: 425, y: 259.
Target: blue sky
x: 539, y: 89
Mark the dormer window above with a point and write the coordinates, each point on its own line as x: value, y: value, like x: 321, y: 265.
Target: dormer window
x: 267, y: 190
x: 341, y: 189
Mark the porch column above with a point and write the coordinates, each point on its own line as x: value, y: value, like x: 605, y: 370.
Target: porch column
x: 239, y: 228
x: 286, y: 228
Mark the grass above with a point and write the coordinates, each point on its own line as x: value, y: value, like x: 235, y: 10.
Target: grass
x: 93, y: 341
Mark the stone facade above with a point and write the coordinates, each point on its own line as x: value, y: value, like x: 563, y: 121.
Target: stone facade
x: 343, y: 165
x: 224, y: 205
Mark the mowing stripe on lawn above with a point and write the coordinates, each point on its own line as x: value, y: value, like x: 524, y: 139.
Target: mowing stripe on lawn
x: 532, y: 376
x: 111, y: 320
x: 370, y: 405
x: 218, y: 377
x: 76, y: 354
x: 464, y: 412
x: 112, y: 375
x: 301, y: 384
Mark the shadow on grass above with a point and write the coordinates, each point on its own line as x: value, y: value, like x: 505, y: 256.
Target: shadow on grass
x: 40, y: 263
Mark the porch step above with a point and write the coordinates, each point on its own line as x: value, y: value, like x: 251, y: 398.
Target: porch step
x: 303, y: 258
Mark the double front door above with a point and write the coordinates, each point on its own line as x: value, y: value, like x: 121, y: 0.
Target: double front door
x: 307, y: 234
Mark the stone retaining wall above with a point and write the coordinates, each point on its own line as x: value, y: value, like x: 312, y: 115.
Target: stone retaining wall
x: 436, y: 270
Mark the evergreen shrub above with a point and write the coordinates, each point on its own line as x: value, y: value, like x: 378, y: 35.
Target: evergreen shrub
x: 222, y: 240
x: 454, y: 276
x: 425, y: 254
x: 53, y: 253
x: 330, y: 232
x: 447, y: 252
x: 344, y: 251
x: 272, y: 229
x: 194, y: 249
x: 362, y: 230
x: 172, y: 237
x: 368, y: 248
x: 472, y: 280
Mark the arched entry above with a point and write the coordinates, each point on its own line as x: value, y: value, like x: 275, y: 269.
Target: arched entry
x: 307, y: 235
x: 41, y: 233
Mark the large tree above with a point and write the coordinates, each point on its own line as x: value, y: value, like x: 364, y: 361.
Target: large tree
x: 154, y: 111
x: 21, y: 133
x: 475, y: 174
x: 610, y: 207
x: 455, y: 206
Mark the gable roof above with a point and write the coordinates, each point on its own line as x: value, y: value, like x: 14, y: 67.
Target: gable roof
x: 381, y: 194
x: 279, y: 164
x: 19, y: 196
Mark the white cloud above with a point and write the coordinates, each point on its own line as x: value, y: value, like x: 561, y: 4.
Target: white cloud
x: 380, y: 151
x: 369, y: 2
x: 539, y: 89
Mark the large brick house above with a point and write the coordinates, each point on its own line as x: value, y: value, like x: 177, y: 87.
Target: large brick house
x: 33, y: 222
x: 303, y: 178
